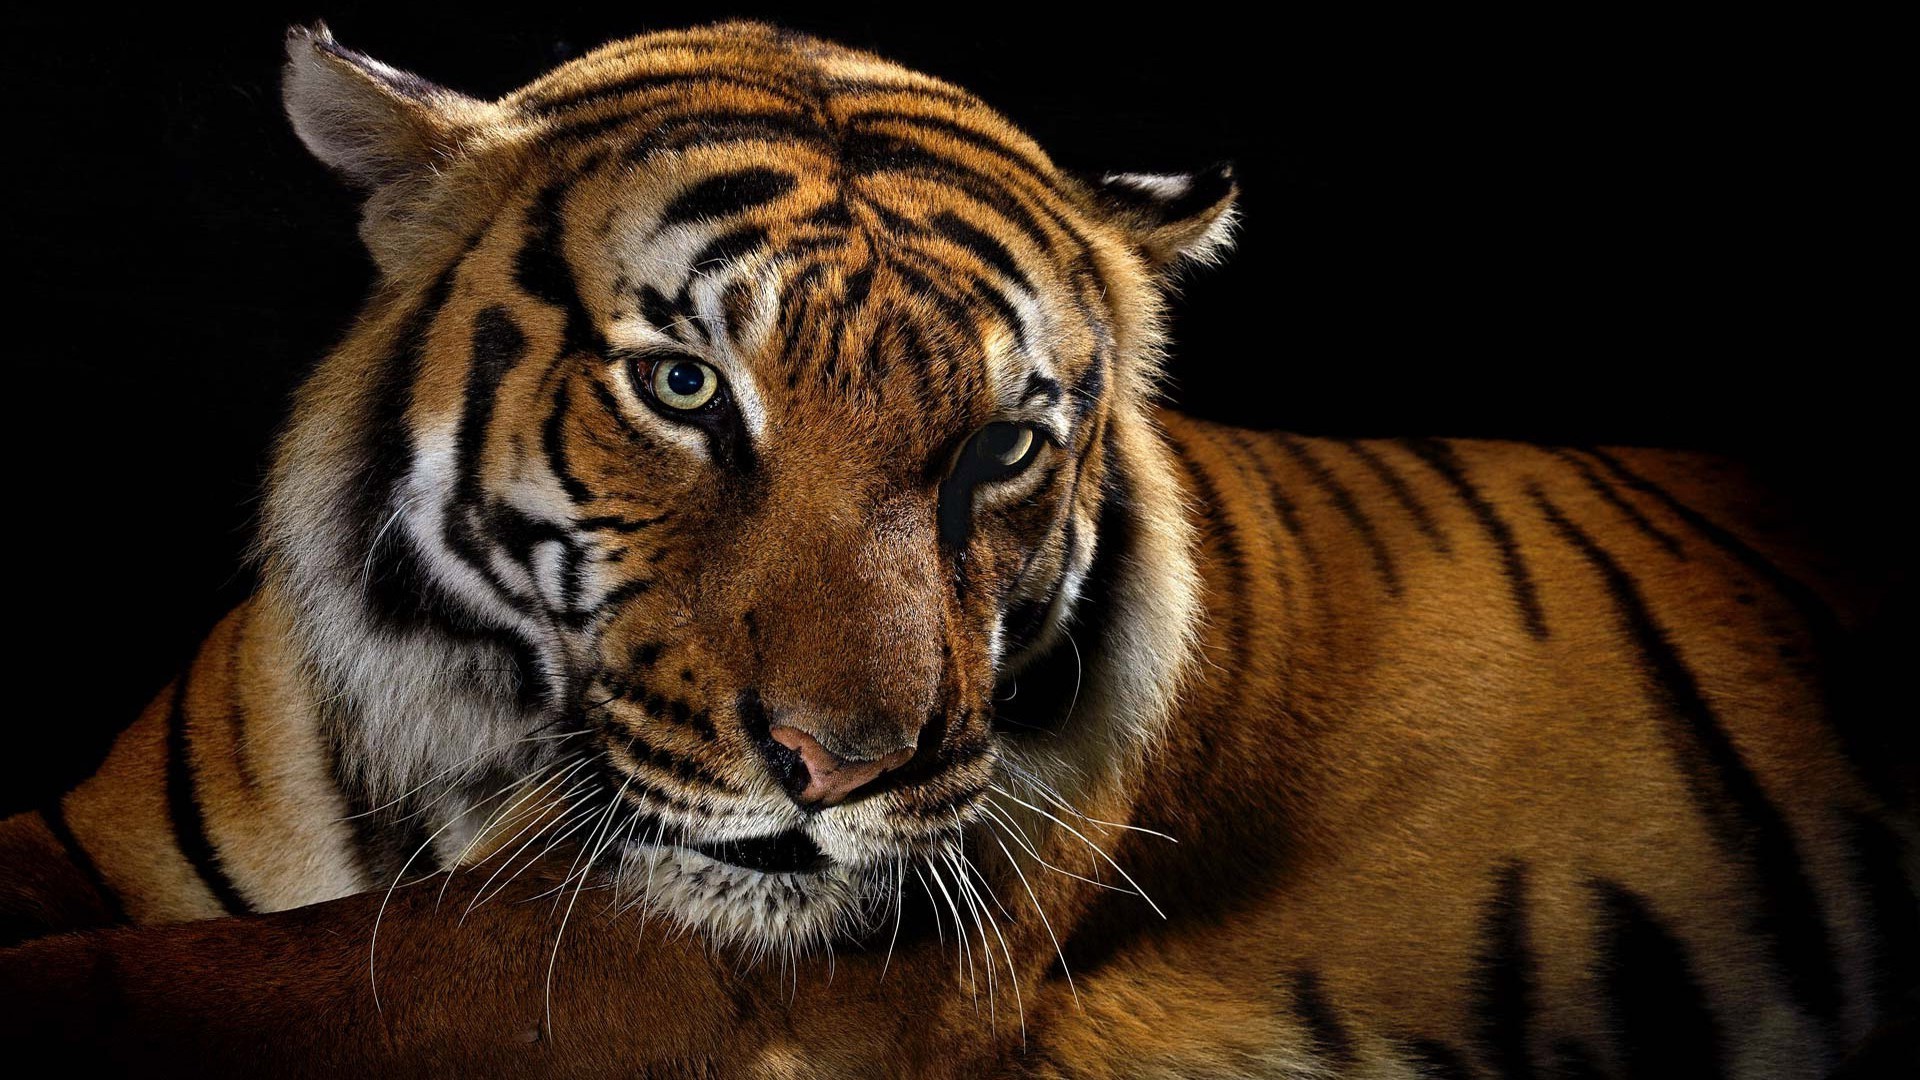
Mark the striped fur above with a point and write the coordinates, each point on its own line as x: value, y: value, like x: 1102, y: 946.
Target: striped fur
x: 1483, y: 759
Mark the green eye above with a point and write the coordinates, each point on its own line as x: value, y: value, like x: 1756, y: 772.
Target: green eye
x: 684, y: 383
x: 1001, y: 450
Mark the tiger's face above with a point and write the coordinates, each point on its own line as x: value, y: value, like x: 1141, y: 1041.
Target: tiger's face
x: 762, y: 402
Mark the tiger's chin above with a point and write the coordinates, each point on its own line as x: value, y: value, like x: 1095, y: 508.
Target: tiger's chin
x: 778, y: 896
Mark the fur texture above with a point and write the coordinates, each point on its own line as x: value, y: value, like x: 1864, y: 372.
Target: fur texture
x: 1225, y: 753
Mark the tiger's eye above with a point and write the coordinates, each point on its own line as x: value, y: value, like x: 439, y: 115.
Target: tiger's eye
x: 685, y: 384
x: 1004, y: 445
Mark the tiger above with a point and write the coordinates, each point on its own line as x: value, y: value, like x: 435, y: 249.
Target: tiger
x: 748, y: 502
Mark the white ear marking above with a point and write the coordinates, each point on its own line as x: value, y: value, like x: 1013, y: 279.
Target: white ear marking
x: 1172, y: 219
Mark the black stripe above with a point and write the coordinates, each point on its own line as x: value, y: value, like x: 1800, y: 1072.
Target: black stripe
x: 857, y: 287
x: 386, y: 450
x: 189, y: 827
x: 1438, y: 1061
x: 623, y: 525
x: 1612, y: 498
x: 982, y: 246
x: 1572, y: 1060
x: 1864, y: 740
x: 1893, y: 914
x: 662, y: 80
x: 1504, y: 977
x: 55, y: 814
x: 951, y: 305
x: 943, y: 271
x: 1035, y: 179
x: 1036, y: 171
x: 1324, y: 1030
x: 1445, y: 461
x: 1342, y: 499
x: 618, y: 412
x: 949, y: 95
x: 715, y: 254
x: 1285, y: 511
x: 518, y: 533
x: 871, y: 153
x: 1040, y: 387
x: 797, y: 295
x: 719, y: 128
x: 553, y: 443
x: 659, y: 311
x: 1730, y: 796
x: 1217, y: 524
x: 1659, y: 1012
x: 1049, y: 684
x: 541, y: 268
x: 615, y: 599
x: 726, y: 194
x: 497, y: 346
x: 1397, y: 486
x: 661, y: 760
x: 401, y: 596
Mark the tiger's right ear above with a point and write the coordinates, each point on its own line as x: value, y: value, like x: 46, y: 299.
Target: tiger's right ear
x: 386, y: 131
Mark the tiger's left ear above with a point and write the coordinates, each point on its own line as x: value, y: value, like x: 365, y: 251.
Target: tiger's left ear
x: 1173, y: 219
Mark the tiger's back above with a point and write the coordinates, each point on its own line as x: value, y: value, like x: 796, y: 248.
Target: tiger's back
x: 1517, y: 761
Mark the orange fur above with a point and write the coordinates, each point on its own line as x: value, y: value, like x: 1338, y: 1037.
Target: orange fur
x: 1433, y: 757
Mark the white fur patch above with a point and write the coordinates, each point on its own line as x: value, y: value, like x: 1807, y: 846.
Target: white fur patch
x: 1160, y: 185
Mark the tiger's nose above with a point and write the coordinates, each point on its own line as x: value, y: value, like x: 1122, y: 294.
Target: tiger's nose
x: 823, y: 778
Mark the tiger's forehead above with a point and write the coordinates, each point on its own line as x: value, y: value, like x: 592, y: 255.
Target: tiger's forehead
x: 821, y: 221
x: 771, y: 262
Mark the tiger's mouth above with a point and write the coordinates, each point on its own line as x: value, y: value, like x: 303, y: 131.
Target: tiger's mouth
x: 790, y: 852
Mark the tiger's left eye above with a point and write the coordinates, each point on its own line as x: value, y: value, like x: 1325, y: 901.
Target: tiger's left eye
x: 1001, y: 449
x: 684, y: 383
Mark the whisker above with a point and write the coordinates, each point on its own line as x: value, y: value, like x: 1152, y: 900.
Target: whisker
x: 1038, y: 910
x: 939, y: 931
x: 1053, y: 797
x: 532, y: 814
x: 1083, y: 839
x: 573, y: 824
x: 531, y: 786
x: 1013, y: 974
x: 540, y: 826
x: 373, y: 943
x: 585, y: 871
x: 976, y: 910
x: 899, y: 910
x: 998, y: 814
x: 960, y: 935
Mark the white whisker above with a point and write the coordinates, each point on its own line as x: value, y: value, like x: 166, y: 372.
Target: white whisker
x: 1038, y: 910
x: 1083, y: 839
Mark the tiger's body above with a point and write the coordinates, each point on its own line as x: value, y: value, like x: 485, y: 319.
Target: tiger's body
x: 1481, y: 758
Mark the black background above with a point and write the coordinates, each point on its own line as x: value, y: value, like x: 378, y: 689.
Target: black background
x: 1557, y: 228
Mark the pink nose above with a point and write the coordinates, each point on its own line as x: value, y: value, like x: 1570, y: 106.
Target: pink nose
x: 829, y: 778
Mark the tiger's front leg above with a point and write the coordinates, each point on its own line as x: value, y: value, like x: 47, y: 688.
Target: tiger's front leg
x: 491, y: 993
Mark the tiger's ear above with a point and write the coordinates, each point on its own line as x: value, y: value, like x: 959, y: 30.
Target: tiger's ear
x: 386, y: 131
x: 1173, y: 219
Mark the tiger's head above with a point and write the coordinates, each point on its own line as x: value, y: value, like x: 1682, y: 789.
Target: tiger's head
x: 749, y: 438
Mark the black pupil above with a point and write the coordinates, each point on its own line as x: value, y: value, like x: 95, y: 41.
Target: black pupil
x: 999, y: 441
x: 686, y: 379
